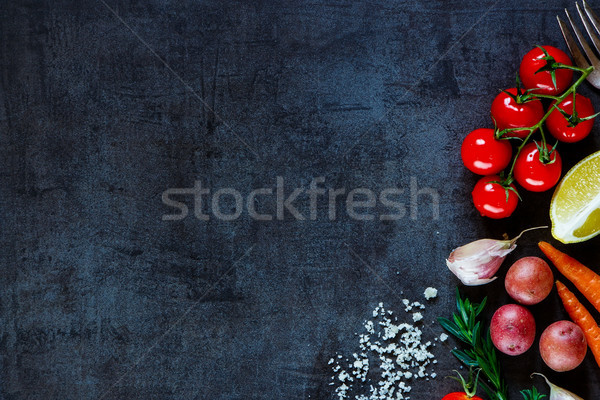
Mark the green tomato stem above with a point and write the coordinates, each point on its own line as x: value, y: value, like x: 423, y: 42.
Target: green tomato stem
x: 571, y: 67
x: 543, y: 138
x: 546, y: 96
x: 557, y: 100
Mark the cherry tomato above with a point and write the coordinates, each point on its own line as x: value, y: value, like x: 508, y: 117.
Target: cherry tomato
x: 510, y: 113
x: 542, y: 81
x: 535, y: 175
x: 483, y: 154
x: 460, y: 396
x: 558, y: 125
x: 490, y: 198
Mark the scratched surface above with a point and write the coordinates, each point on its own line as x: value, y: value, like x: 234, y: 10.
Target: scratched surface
x: 104, y: 106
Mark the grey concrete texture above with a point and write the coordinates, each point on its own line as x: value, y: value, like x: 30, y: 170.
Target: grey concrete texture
x: 106, y: 104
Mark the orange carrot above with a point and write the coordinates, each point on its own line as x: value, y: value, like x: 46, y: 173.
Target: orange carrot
x: 581, y: 317
x: 586, y: 280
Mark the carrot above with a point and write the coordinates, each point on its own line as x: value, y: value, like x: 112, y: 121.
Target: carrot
x: 581, y: 317
x: 586, y: 280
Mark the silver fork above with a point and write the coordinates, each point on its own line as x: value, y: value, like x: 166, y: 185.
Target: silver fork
x: 591, y: 22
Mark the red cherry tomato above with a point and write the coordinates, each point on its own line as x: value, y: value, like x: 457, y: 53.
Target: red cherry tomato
x: 460, y: 396
x: 558, y: 125
x: 508, y: 113
x: 483, y: 154
x: 542, y: 81
x: 535, y: 175
x: 490, y: 198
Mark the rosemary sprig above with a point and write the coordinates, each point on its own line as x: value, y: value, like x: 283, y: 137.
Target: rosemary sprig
x: 532, y: 394
x: 480, y: 351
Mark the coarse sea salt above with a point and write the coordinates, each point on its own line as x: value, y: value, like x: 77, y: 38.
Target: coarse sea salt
x: 391, y: 356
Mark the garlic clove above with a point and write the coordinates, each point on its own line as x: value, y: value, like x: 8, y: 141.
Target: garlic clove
x: 558, y: 393
x: 476, y: 263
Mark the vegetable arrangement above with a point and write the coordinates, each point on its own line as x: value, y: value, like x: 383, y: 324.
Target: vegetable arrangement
x: 563, y: 344
x: 481, y: 354
x: 545, y: 75
x: 544, y: 100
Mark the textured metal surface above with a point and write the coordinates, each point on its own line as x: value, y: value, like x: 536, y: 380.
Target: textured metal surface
x: 101, y: 298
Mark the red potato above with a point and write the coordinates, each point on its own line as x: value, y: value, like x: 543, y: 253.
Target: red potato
x: 529, y: 280
x: 512, y: 329
x: 563, y: 346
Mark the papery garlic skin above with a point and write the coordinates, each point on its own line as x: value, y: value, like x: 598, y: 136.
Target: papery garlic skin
x: 476, y: 263
x: 558, y: 393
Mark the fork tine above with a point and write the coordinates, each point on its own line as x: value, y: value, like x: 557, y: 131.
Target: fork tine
x: 589, y: 29
x: 593, y: 17
x: 586, y: 47
x: 578, y: 57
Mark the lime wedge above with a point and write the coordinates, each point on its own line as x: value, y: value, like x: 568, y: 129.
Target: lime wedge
x: 575, y: 206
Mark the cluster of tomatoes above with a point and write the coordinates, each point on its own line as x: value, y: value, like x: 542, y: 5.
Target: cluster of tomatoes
x: 519, y: 114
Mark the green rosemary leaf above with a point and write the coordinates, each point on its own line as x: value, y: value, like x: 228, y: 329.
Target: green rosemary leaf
x: 464, y: 358
x: 480, y: 307
x: 480, y: 351
x: 451, y: 328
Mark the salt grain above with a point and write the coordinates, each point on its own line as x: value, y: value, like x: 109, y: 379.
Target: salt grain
x: 430, y: 293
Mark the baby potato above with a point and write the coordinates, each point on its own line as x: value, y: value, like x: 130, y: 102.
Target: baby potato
x: 512, y: 329
x: 529, y: 280
x: 563, y: 346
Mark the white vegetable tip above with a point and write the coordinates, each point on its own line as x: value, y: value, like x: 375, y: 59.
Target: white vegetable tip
x: 558, y: 393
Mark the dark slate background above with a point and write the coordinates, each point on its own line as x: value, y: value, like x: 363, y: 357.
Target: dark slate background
x: 102, y: 299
